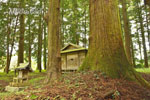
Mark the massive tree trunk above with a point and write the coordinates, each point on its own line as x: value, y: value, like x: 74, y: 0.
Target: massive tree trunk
x: 21, y: 36
x: 54, y: 59
x: 106, y: 51
x: 127, y: 31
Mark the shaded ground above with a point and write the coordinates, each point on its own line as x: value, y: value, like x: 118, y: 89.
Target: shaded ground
x: 3, y: 83
x: 85, y: 86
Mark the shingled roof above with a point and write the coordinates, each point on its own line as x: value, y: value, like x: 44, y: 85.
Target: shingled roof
x: 74, y: 49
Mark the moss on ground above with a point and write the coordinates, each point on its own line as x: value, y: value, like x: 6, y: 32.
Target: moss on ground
x: 143, y: 70
x: 34, y: 80
x: 6, y: 77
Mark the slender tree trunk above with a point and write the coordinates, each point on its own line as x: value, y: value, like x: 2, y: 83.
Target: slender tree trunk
x: 40, y: 42
x: 76, y: 21
x: 143, y: 36
x: 29, y: 58
x: 85, y: 30
x: 45, y: 60
x: 44, y: 54
x: 74, y: 24
x: 106, y: 50
x: 149, y: 34
x: 127, y: 31
x: 133, y: 54
x: 54, y: 59
x: 8, y: 42
x: 21, y: 36
x: 62, y: 24
x: 13, y: 40
x: 139, y: 43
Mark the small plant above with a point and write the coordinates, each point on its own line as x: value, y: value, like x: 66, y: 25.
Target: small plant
x: 67, y: 81
x: 79, y: 98
x: 57, y: 97
x: 74, y: 96
x: 33, y: 97
x: 77, y: 84
x: 116, y: 94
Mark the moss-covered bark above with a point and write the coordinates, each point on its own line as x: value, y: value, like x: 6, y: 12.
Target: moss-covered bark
x: 54, y: 59
x: 127, y: 31
x: 106, y: 51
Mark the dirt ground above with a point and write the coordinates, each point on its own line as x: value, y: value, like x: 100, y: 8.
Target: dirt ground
x: 3, y: 83
x: 86, y: 86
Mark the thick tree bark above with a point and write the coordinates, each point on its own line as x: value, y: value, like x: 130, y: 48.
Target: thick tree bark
x: 54, y: 59
x: 21, y: 36
x: 106, y: 51
x: 127, y: 31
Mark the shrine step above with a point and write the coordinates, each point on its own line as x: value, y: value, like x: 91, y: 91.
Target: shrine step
x: 13, y: 89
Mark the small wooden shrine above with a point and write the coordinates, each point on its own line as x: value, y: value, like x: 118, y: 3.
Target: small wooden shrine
x: 72, y: 56
x: 22, y: 74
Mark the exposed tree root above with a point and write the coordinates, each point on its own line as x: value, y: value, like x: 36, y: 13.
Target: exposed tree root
x: 141, y: 80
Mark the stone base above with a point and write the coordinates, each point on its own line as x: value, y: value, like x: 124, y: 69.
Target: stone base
x: 13, y: 89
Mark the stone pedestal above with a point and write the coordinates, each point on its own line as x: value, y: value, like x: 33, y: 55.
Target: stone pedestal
x: 13, y: 89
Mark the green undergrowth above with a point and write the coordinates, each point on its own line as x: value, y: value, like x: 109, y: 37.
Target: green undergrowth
x: 143, y: 70
x: 6, y: 77
x: 35, y: 79
x: 6, y: 94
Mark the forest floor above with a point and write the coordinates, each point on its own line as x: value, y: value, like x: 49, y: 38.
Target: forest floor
x: 78, y: 86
